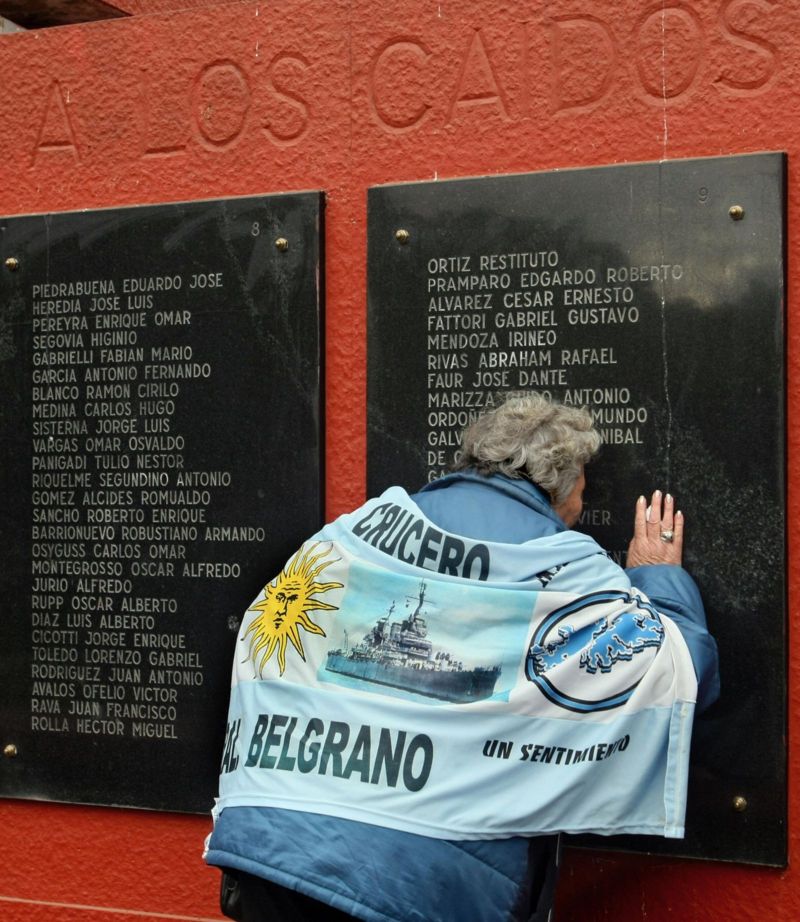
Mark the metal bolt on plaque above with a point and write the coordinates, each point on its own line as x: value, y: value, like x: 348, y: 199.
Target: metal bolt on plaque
x: 12, y: 263
x: 282, y: 244
x: 10, y: 751
x: 739, y: 803
x: 402, y: 235
x: 736, y: 212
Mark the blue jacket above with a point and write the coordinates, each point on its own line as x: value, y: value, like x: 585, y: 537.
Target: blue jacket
x: 380, y: 874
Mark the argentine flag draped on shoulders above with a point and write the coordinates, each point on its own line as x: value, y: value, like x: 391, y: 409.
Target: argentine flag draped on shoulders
x: 397, y: 674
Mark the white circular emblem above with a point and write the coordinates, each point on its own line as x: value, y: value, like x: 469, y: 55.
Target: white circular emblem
x: 591, y: 654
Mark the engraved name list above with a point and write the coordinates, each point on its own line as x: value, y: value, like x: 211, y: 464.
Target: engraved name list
x: 119, y: 502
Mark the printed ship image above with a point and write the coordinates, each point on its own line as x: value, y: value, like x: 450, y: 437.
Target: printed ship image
x: 397, y: 653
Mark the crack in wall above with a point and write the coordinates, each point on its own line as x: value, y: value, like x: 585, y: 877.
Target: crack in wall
x: 664, y: 349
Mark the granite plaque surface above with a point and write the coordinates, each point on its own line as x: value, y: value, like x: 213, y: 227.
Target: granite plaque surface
x: 651, y: 293
x: 159, y: 460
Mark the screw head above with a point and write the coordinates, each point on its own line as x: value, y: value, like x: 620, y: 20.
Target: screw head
x: 282, y: 244
x: 402, y: 235
x: 12, y: 263
x: 736, y: 212
x: 10, y: 751
x: 739, y: 803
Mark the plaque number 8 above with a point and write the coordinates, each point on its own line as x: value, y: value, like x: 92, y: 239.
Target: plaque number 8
x: 255, y: 230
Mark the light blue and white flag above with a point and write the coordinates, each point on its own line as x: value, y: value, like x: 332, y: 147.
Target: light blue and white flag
x: 400, y: 675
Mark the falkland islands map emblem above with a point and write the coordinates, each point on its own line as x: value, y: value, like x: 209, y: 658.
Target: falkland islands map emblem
x: 583, y: 659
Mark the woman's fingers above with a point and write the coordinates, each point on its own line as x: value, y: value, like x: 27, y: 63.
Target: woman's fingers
x: 654, y: 513
x: 678, y: 540
x: 667, y: 515
x: 650, y: 524
x: 639, y: 518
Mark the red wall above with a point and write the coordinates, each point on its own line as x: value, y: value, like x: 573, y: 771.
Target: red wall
x: 243, y: 98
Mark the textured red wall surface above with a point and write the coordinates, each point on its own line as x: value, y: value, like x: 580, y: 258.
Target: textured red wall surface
x: 193, y: 100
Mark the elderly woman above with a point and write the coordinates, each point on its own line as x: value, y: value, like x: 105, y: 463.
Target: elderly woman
x: 577, y: 680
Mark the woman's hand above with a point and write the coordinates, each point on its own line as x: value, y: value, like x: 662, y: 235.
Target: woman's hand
x: 652, y: 528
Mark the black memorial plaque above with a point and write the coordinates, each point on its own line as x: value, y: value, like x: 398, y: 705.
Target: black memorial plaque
x: 160, y: 459
x: 653, y: 294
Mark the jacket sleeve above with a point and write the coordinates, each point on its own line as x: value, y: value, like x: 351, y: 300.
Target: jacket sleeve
x: 675, y: 593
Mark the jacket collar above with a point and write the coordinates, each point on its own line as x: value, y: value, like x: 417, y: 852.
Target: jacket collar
x: 519, y: 489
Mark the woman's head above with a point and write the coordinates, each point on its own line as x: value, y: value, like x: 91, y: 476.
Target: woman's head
x: 534, y: 437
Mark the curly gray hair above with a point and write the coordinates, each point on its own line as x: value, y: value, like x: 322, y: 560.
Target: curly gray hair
x: 535, y: 437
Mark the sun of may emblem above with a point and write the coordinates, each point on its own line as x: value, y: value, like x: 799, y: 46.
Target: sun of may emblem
x: 284, y: 609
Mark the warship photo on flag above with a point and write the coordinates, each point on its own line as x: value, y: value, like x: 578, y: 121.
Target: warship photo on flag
x: 398, y: 653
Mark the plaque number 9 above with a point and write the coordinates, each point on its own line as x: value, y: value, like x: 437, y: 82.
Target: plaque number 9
x: 702, y: 195
x: 255, y: 230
